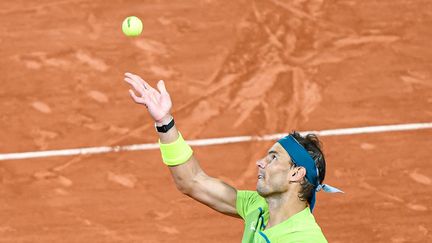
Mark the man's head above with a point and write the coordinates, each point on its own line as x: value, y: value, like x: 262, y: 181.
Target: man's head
x: 278, y: 172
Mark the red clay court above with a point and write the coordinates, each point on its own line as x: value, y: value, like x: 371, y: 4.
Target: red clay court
x: 233, y: 68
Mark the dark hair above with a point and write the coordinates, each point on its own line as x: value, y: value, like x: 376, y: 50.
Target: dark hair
x: 313, y: 146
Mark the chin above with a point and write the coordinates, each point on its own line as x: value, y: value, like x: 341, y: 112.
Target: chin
x: 261, y: 191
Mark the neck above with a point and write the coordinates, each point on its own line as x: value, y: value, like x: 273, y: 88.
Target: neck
x: 283, y: 206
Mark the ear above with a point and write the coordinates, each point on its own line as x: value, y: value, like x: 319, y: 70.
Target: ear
x: 297, y: 174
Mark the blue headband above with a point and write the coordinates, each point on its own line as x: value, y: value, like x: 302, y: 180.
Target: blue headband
x: 301, y: 157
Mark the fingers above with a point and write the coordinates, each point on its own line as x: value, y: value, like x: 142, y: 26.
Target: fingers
x: 144, y: 93
x: 137, y: 79
x: 138, y: 88
x: 161, y: 87
x: 140, y: 80
x: 139, y: 100
x: 137, y: 82
x: 148, y: 94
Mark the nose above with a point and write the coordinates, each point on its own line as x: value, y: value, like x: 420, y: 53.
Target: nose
x: 260, y: 163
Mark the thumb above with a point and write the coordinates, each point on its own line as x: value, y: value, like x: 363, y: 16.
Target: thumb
x: 161, y: 86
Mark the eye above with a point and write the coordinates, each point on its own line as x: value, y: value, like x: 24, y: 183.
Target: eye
x: 271, y: 157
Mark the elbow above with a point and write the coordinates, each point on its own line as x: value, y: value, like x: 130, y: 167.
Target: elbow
x: 183, y: 188
x: 188, y: 185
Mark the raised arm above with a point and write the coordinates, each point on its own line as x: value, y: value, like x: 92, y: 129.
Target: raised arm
x: 189, y: 177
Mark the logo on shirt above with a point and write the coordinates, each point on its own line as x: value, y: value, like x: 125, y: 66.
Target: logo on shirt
x: 253, y: 226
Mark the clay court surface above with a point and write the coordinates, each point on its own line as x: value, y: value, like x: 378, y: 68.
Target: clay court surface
x: 233, y: 68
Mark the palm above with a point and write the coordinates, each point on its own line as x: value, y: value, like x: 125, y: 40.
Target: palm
x: 160, y: 107
x: 157, y: 102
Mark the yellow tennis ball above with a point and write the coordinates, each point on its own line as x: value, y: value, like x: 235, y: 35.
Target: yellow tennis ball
x: 132, y: 26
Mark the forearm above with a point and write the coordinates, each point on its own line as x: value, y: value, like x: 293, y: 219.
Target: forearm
x: 191, y: 180
x: 185, y: 173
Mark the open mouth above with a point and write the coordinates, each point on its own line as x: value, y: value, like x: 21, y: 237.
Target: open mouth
x: 260, y: 177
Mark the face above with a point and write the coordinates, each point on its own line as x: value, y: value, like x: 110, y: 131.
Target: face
x: 274, y: 171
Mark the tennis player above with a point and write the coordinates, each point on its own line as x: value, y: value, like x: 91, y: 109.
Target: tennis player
x: 280, y: 210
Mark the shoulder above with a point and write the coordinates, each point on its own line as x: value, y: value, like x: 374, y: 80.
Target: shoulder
x: 248, y: 201
x: 250, y: 195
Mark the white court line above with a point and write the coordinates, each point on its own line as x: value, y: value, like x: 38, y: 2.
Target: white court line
x: 214, y: 141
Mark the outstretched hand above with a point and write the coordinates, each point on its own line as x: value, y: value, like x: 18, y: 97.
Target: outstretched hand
x: 158, y: 103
